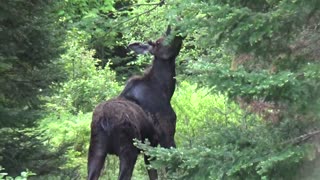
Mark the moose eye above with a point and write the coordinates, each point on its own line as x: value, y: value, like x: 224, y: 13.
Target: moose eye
x: 157, y: 43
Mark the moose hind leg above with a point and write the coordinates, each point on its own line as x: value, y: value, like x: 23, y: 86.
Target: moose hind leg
x: 97, y: 155
x: 153, y: 175
x: 128, y: 157
x: 128, y: 153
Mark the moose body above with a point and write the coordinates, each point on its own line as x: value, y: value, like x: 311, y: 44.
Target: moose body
x: 141, y: 111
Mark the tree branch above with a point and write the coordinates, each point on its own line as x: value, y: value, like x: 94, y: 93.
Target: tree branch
x: 143, y: 13
x: 302, y: 138
x: 145, y: 4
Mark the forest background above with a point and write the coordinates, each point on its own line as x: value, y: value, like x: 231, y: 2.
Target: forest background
x: 247, y: 98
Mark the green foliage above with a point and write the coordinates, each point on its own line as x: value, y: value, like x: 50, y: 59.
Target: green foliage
x: 30, y: 43
x: 87, y: 84
x: 26, y: 149
x: 72, y: 131
x: 194, y: 108
x: 227, y: 162
x: 220, y: 141
x: 98, y: 19
x: 23, y: 176
x: 262, y: 84
x: 28, y: 50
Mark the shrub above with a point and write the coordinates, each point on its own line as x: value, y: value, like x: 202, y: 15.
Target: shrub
x: 23, y: 176
x: 227, y: 142
x: 87, y: 84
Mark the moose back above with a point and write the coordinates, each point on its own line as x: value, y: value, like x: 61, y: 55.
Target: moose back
x: 141, y: 111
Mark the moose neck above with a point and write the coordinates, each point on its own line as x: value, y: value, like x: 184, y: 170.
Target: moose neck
x: 163, y: 73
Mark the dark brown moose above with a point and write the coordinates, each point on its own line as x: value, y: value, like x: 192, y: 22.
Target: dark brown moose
x: 141, y: 111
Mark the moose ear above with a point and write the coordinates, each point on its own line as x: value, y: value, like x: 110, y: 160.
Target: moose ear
x: 140, y: 48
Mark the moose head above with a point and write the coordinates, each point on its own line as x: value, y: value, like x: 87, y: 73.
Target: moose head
x: 161, y: 49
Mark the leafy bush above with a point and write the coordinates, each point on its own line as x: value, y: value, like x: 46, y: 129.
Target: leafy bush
x: 196, y: 107
x: 87, y: 83
x: 23, y: 176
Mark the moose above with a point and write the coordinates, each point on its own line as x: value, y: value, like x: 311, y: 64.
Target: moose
x: 141, y: 111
